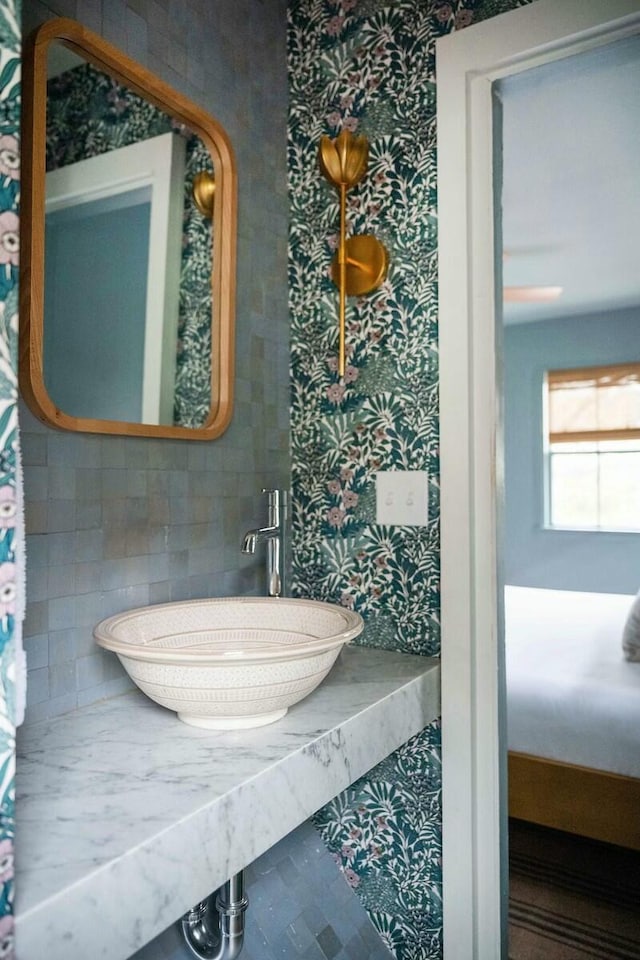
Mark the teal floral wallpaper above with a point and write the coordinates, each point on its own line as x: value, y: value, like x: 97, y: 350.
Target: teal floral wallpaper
x: 369, y: 66
x: 384, y: 832
x: 9, y: 242
x: 104, y: 116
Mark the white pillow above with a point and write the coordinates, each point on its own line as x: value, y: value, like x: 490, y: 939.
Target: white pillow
x: 631, y: 632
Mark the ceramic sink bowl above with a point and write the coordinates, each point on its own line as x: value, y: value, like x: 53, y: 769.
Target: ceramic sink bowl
x: 229, y: 663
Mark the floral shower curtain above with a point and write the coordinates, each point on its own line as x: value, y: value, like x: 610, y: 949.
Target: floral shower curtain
x: 10, y: 491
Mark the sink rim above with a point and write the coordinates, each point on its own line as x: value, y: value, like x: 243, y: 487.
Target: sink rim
x: 352, y: 626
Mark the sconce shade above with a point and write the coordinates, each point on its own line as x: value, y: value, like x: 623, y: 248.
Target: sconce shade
x: 343, y: 161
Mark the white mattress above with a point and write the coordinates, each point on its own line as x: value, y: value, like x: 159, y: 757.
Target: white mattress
x: 571, y: 696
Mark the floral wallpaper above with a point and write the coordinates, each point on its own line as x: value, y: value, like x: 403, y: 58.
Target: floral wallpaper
x: 105, y: 116
x: 384, y: 832
x: 9, y: 224
x: 369, y: 66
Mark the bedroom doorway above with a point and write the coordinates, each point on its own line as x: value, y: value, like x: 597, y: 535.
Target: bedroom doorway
x: 567, y: 204
x: 474, y: 746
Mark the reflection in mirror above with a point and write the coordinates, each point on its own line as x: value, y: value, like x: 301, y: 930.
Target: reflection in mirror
x: 129, y: 304
x: 122, y: 235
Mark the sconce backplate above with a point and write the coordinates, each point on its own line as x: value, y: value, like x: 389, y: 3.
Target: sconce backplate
x: 367, y: 264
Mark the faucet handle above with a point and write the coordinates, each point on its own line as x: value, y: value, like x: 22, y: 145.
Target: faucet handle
x: 278, y: 505
x: 275, y: 494
x: 274, y: 497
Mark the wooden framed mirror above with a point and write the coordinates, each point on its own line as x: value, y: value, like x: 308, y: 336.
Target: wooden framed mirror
x: 127, y: 287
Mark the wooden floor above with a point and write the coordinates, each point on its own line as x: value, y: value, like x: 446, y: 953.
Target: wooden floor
x: 571, y: 898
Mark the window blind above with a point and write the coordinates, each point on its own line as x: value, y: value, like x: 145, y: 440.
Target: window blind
x: 594, y: 403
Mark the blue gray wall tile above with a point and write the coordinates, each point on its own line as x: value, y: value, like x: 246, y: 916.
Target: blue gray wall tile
x: 300, y: 908
x: 118, y: 522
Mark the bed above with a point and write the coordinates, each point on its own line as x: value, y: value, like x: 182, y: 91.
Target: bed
x: 573, y: 714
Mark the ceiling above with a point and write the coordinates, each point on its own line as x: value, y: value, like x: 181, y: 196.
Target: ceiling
x: 571, y: 182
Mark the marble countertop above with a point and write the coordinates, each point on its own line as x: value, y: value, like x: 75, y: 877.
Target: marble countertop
x: 126, y: 817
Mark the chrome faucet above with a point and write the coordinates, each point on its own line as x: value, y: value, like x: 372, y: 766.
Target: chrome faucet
x: 274, y: 534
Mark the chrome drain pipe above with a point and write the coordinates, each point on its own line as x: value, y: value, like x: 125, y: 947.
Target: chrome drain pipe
x: 214, y: 928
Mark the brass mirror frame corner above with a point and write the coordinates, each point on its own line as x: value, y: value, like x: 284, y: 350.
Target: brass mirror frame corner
x: 103, y: 55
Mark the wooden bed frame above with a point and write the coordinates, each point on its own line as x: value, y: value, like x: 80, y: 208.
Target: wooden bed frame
x: 592, y: 803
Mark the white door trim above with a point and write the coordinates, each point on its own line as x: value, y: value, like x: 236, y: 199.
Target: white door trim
x: 467, y: 64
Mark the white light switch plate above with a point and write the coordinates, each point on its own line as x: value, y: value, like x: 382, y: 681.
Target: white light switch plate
x: 402, y: 498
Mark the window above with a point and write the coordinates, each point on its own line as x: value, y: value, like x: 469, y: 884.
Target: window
x: 593, y: 420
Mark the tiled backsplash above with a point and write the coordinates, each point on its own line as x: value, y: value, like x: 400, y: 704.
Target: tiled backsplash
x: 117, y: 522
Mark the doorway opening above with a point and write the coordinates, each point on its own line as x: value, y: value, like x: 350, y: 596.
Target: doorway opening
x: 475, y: 881
x: 568, y: 360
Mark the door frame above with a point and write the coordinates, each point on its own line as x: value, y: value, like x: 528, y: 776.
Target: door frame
x: 475, y: 882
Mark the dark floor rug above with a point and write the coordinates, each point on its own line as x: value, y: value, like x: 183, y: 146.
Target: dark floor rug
x: 571, y: 898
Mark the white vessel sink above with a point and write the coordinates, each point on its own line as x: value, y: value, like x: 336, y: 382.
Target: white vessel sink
x: 229, y: 663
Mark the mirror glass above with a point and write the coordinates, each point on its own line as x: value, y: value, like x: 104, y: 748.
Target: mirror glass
x: 132, y: 283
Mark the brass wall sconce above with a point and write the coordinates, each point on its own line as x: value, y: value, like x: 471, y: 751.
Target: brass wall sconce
x: 361, y: 262
x: 204, y: 188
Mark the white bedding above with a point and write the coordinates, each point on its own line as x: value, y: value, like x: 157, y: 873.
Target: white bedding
x: 571, y: 696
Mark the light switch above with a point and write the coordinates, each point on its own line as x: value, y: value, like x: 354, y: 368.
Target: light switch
x: 402, y: 498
